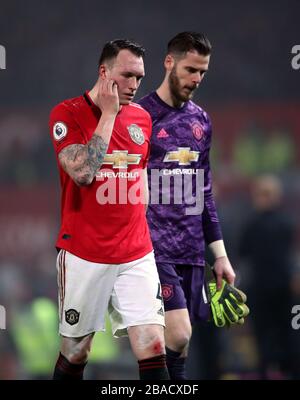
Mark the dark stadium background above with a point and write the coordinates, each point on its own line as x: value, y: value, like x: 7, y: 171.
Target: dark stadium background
x: 253, y: 96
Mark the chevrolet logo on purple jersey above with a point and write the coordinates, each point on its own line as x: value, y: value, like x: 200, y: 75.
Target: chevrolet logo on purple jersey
x: 121, y: 158
x: 184, y: 156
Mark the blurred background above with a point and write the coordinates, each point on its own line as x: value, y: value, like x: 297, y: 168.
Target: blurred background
x: 252, y: 95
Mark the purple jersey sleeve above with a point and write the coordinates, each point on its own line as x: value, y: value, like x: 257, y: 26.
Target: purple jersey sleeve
x: 210, y: 221
x: 180, y: 145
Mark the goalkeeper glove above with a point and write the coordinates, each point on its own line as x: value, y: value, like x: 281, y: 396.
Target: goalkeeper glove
x: 227, y: 304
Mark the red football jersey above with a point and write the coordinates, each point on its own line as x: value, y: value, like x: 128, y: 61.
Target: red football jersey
x: 105, y: 221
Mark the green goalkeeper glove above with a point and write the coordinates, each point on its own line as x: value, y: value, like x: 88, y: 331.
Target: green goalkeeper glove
x: 227, y: 304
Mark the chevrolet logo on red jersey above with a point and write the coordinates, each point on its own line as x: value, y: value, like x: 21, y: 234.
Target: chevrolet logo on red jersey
x: 184, y: 156
x: 121, y: 158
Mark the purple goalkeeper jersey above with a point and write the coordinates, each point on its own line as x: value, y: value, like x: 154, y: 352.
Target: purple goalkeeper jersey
x: 179, y: 162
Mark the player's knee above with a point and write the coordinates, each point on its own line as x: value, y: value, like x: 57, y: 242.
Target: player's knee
x: 152, y: 342
x: 180, y: 338
x: 77, y: 355
x: 156, y: 346
x: 77, y: 351
x: 147, y: 341
x: 182, y: 341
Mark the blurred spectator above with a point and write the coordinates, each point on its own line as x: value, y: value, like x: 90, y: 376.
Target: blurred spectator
x: 266, y: 244
x: 260, y: 150
x: 34, y: 329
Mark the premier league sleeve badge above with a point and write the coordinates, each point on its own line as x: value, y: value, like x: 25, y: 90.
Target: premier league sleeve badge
x: 60, y: 130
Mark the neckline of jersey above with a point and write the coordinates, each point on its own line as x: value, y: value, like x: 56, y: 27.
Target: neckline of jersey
x: 181, y: 109
x: 89, y: 100
x: 91, y: 104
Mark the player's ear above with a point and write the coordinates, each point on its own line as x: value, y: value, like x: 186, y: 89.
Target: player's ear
x: 103, y: 71
x: 169, y: 62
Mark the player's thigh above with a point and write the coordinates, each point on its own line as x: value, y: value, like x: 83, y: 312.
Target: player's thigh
x: 193, y: 285
x: 178, y: 321
x: 171, y: 287
x: 136, y: 298
x: 84, y: 292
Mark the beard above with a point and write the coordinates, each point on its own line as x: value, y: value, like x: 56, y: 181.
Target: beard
x: 178, y: 93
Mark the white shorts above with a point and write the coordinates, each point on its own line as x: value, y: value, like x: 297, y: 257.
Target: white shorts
x: 130, y: 292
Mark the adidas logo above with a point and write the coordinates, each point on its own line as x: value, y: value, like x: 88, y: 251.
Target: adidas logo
x: 161, y: 311
x: 162, y: 134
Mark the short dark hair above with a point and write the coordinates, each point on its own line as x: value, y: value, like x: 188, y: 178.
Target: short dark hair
x: 187, y: 41
x: 111, y: 49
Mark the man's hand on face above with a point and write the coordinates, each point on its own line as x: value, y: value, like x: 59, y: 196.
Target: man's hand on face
x: 107, y: 96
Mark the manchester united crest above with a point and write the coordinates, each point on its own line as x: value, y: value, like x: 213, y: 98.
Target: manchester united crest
x: 72, y: 316
x: 197, y: 130
x: 167, y: 291
x: 136, y: 134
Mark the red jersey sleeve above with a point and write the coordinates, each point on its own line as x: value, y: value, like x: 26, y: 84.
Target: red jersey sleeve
x: 64, y: 130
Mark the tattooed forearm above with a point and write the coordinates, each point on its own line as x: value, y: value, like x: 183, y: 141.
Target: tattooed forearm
x: 96, y: 148
x: 81, y: 162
